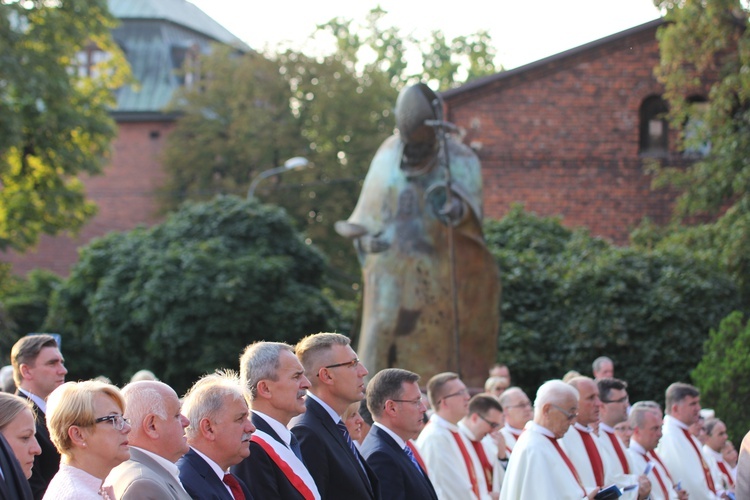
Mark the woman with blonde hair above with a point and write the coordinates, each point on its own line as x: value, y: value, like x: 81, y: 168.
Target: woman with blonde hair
x: 87, y: 425
x: 18, y: 427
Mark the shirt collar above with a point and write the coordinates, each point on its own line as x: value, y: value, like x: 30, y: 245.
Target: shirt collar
x: 170, y: 467
x: 214, y: 466
x: 41, y: 403
x: 335, y: 416
x: 400, y: 442
x: 284, y: 433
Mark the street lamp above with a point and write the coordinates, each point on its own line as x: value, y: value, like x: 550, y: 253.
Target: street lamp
x: 291, y: 164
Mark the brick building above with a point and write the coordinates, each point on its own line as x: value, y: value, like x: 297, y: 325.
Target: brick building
x: 161, y: 40
x: 572, y: 134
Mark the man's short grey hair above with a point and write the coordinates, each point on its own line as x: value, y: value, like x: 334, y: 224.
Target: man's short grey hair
x: 598, y: 362
x: 508, y: 394
x: 260, y: 361
x: 314, y: 351
x: 553, y: 391
x: 144, y: 398
x: 638, y: 412
x: 207, y: 398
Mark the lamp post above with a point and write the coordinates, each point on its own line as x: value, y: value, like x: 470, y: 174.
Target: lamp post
x: 291, y: 164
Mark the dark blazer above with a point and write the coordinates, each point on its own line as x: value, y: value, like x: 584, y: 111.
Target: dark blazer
x: 399, y: 479
x: 47, y: 463
x: 263, y: 477
x: 327, y: 456
x: 201, y: 482
x: 15, y: 486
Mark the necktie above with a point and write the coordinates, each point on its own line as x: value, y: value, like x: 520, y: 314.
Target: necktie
x: 417, y: 456
x: 706, y: 470
x: 409, y: 454
x: 294, y: 446
x: 350, y: 443
x: 594, y: 457
x: 658, y: 478
x: 234, y: 486
x: 618, y: 450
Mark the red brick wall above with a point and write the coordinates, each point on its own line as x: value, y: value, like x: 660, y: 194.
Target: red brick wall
x: 123, y: 193
x: 562, y: 137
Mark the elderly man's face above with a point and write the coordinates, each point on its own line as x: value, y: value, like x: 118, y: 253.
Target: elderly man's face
x: 558, y: 417
x: 233, y: 429
x: 588, y: 402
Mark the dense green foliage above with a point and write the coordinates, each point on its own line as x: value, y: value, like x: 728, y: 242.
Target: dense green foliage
x: 569, y: 298
x: 185, y: 297
x: 705, y: 52
x: 721, y: 375
x: 54, y: 117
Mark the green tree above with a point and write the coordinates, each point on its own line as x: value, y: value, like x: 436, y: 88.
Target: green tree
x: 185, y: 297
x: 705, y: 46
x: 721, y: 374
x: 54, y: 121
x: 569, y: 298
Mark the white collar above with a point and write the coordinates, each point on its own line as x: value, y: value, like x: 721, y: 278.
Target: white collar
x: 334, y: 416
x: 400, y: 442
x: 171, y: 467
x: 709, y: 451
x: 583, y: 428
x: 467, y: 432
x: 606, y: 428
x: 671, y: 421
x: 284, y: 433
x: 437, y: 419
x: 41, y: 403
x: 534, y: 427
x: 214, y: 466
x: 637, y: 447
x: 513, y: 430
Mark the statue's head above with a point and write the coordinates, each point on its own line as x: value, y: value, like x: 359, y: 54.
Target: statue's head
x: 414, y: 105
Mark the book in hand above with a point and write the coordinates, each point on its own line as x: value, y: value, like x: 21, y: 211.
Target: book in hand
x: 609, y: 493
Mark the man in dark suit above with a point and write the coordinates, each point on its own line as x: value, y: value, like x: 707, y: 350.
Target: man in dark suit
x: 395, y: 402
x: 337, y: 380
x: 219, y: 437
x: 277, y: 384
x: 157, y: 441
x: 13, y: 484
x: 38, y: 369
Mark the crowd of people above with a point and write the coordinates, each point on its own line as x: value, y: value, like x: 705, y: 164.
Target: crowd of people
x: 300, y: 422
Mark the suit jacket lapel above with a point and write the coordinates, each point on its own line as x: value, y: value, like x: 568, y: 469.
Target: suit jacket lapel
x: 207, y: 473
x: 405, y: 462
x: 140, y: 457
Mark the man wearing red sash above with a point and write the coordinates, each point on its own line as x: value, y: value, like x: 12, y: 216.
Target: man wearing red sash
x: 716, y: 438
x: 539, y: 467
x: 517, y: 411
x: 646, y: 421
x: 680, y: 451
x: 277, y: 385
x: 446, y: 452
x: 482, y: 427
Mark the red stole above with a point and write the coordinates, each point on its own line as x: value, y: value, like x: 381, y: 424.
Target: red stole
x: 468, y: 462
x: 417, y: 456
x: 725, y: 471
x: 706, y: 470
x: 620, y: 453
x: 594, y: 457
x: 567, y: 462
x: 486, y: 465
x: 656, y: 457
x: 293, y: 478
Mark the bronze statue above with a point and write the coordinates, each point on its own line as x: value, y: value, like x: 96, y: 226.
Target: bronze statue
x: 431, y: 288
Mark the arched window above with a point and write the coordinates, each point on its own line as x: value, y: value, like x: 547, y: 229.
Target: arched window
x: 654, y: 128
x: 697, y: 142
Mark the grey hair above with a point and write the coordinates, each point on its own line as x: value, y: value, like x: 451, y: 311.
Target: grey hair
x: 206, y: 398
x: 598, y: 362
x: 260, y: 361
x: 553, y: 391
x: 639, y: 410
x: 143, y: 398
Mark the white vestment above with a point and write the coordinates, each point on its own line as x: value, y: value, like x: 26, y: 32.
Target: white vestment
x: 722, y: 481
x: 572, y: 443
x: 445, y: 463
x: 637, y: 455
x: 537, y: 470
x: 680, y: 456
x: 511, y: 435
x: 613, y: 466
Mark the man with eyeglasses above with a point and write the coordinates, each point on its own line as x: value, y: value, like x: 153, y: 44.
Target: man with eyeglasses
x: 395, y: 403
x: 582, y: 445
x: 482, y: 428
x: 446, y: 451
x: 614, y: 410
x: 336, y: 381
x: 517, y: 411
x: 539, y: 467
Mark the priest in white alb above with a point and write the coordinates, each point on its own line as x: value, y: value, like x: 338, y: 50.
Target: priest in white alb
x: 517, y: 411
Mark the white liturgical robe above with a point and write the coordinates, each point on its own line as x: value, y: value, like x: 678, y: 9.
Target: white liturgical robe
x: 511, y: 435
x: 538, y: 470
x: 682, y: 455
x: 659, y: 477
x: 723, y: 477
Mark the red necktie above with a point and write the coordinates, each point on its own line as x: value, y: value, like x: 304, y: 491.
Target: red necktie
x: 618, y: 450
x: 467, y: 461
x: 594, y: 457
x: 706, y: 471
x: 724, y: 471
x: 234, y: 485
x: 417, y: 456
x: 486, y: 465
x: 568, y: 463
x: 658, y: 477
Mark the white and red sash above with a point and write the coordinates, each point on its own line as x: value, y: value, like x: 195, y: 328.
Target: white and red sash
x: 289, y: 464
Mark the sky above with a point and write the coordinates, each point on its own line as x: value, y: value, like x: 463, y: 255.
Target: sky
x: 522, y: 31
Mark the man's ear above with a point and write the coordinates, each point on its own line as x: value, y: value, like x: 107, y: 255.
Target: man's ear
x: 149, y: 426
x: 206, y: 429
x: 25, y: 372
x: 262, y: 390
